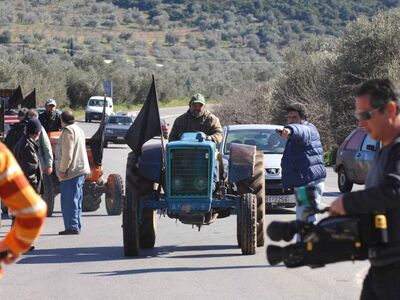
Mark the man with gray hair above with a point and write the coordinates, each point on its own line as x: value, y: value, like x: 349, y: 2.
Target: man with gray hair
x: 72, y: 166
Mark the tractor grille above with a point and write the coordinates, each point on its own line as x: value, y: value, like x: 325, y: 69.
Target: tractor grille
x: 189, y: 172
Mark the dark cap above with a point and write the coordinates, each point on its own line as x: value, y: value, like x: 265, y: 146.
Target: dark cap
x: 198, y: 98
x: 33, y: 126
x: 299, y: 107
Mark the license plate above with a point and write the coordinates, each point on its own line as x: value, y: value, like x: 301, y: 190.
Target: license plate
x: 277, y: 199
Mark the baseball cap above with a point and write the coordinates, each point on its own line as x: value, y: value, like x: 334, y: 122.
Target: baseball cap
x: 198, y: 98
x: 33, y: 126
x: 50, y: 102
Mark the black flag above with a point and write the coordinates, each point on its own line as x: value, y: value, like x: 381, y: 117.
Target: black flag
x: 16, y: 98
x: 30, y: 100
x: 147, y: 123
x: 96, y: 142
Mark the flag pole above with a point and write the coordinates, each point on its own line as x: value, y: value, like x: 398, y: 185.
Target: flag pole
x: 161, y: 135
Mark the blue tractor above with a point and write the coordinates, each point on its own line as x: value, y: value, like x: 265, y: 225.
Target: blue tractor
x: 189, y: 183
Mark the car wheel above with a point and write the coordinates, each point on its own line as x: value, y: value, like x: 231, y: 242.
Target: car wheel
x: 344, y: 184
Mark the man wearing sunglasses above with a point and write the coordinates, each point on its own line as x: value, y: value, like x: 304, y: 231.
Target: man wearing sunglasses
x: 377, y: 110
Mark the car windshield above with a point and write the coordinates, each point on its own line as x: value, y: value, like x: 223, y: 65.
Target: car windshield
x: 125, y: 120
x: 96, y: 102
x: 266, y: 140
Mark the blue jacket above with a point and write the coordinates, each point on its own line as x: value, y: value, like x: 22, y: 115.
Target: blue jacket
x: 303, y: 159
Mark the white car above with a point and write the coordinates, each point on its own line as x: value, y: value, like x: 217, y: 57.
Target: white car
x: 267, y: 140
x: 94, y: 108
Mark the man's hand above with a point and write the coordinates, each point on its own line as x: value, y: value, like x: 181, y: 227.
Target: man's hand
x: 62, y: 175
x: 337, y: 207
x: 48, y: 171
x: 285, y: 132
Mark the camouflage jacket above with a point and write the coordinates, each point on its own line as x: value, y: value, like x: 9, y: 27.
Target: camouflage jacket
x: 207, y: 123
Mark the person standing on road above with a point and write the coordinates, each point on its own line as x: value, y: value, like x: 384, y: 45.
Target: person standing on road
x: 26, y: 153
x: 25, y: 204
x: 303, y: 158
x: 377, y: 105
x: 197, y: 118
x: 45, y: 151
x: 72, y: 166
x: 50, y: 118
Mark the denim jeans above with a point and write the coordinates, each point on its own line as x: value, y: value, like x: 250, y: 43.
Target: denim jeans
x: 71, y: 202
x: 299, y: 210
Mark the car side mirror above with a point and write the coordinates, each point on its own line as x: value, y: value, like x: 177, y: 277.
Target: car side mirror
x: 371, y: 147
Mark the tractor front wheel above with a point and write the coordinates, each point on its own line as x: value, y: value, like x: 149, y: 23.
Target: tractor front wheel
x: 256, y: 185
x: 114, y: 195
x: 248, y: 221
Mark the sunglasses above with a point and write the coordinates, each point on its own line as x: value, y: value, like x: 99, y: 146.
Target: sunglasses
x: 365, y: 115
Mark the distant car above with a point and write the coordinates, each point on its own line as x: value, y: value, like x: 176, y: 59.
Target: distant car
x: 165, y: 128
x: 354, y: 159
x: 116, y: 128
x: 267, y: 140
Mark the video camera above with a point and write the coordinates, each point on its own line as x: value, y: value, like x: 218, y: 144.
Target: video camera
x: 333, y: 239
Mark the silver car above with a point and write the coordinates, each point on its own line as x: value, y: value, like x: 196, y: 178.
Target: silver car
x: 267, y: 140
x: 116, y: 128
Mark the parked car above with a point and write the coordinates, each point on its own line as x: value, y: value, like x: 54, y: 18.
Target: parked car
x: 165, y: 128
x: 354, y: 159
x: 267, y: 140
x: 116, y: 127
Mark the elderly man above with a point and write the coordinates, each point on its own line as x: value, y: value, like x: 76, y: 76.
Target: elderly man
x: 197, y: 118
x: 377, y: 105
x: 50, y: 118
x: 72, y: 166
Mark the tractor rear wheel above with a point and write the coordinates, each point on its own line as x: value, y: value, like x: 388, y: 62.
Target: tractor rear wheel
x: 256, y: 185
x: 137, y: 235
x: 114, y: 194
x: 90, y: 202
x: 248, y: 220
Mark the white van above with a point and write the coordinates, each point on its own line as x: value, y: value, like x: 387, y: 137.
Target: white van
x: 94, y: 108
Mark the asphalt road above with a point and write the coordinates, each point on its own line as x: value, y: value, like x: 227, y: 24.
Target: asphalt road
x: 184, y: 264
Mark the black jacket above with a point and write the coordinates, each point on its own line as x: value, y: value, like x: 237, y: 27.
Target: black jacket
x: 26, y: 154
x: 51, y: 121
x: 16, y: 132
x: 382, y: 193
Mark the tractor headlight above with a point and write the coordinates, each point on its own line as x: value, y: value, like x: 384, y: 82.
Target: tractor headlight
x: 200, y: 183
x: 177, y: 183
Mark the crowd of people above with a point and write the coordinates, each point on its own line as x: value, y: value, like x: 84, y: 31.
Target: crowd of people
x: 377, y: 110
x: 28, y: 140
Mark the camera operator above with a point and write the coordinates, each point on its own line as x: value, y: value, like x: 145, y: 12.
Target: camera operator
x: 377, y: 110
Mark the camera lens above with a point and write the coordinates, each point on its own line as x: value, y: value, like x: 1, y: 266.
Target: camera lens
x: 282, y: 231
x: 274, y: 254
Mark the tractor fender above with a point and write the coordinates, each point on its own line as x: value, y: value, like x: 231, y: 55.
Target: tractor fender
x: 241, y: 162
x: 150, y: 162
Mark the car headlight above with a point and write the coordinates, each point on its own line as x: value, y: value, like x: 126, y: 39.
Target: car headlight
x: 109, y: 131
